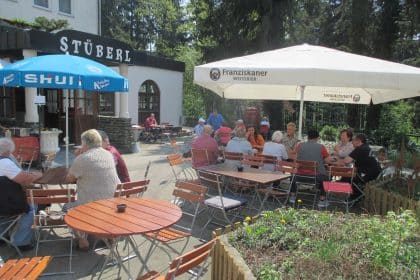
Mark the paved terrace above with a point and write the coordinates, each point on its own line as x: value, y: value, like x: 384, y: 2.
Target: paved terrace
x: 161, y: 186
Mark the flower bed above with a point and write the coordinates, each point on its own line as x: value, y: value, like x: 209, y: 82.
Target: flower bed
x: 304, y: 244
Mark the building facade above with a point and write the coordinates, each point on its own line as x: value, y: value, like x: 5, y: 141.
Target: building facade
x: 155, y: 83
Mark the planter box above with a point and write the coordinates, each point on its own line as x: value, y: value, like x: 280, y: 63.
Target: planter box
x: 379, y: 201
x: 227, y: 262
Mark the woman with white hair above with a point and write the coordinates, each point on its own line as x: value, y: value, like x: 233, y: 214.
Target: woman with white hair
x: 95, y: 172
x: 274, y: 148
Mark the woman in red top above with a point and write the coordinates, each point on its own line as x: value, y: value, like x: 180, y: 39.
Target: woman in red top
x: 256, y: 139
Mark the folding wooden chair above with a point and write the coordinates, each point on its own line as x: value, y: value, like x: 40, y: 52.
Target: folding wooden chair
x: 276, y: 193
x: 135, y: 188
x: 242, y: 187
x: 180, y: 169
x: 185, y: 263
x: 340, y: 191
x: 26, y: 156
x: 51, y: 220
x: 26, y: 268
x: 305, y: 177
x: 199, y: 157
x: 269, y: 162
x: 219, y: 203
x: 8, y: 223
x: 232, y: 156
x: 190, y: 197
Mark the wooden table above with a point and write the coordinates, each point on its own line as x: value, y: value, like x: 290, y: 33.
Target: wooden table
x: 142, y: 215
x: 250, y: 174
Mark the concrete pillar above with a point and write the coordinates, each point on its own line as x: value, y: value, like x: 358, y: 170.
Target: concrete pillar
x: 124, y: 95
x: 31, y: 110
x: 117, y: 104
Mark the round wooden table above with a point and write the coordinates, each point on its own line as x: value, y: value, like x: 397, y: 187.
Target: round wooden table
x: 142, y: 215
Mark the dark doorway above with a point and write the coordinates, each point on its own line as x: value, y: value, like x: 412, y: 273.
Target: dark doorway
x: 149, y: 101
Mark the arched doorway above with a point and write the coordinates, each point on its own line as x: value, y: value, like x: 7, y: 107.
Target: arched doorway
x: 149, y: 101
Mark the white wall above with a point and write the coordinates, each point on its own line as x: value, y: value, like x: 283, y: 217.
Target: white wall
x: 170, y: 86
x: 84, y: 15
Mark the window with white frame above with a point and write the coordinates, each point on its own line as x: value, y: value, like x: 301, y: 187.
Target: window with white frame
x: 64, y: 6
x: 42, y: 3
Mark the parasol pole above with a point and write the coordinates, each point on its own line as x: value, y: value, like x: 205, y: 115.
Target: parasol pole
x: 66, y: 139
x: 302, y: 94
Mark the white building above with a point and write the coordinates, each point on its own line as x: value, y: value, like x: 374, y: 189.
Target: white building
x: 155, y: 83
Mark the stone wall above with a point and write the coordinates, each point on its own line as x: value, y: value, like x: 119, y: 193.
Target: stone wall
x: 119, y: 132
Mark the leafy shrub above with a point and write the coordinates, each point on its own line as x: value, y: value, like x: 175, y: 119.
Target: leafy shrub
x: 329, y: 133
x: 304, y: 244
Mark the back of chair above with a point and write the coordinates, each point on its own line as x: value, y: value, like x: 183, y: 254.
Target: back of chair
x: 190, y: 191
x: 210, y: 180
x: 175, y: 159
x: 50, y: 196
x: 199, y: 157
x: 342, y: 171
x: 286, y: 167
x: 232, y: 155
x: 269, y: 159
x: 131, y: 188
x: 190, y: 260
x: 254, y: 161
x: 309, y: 166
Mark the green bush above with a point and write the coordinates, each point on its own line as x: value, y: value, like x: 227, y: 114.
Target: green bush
x: 304, y: 244
x: 329, y: 133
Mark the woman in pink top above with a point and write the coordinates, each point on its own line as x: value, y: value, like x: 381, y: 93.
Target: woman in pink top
x: 223, y: 134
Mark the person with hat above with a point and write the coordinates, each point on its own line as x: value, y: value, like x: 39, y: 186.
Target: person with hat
x: 239, y: 124
x: 199, y: 128
x: 223, y: 134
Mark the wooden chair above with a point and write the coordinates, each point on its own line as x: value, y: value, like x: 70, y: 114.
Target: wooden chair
x: 135, y: 188
x: 276, y: 193
x: 26, y: 268
x: 190, y: 197
x: 340, y: 191
x: 51, y: 220
x: 179, y: 167
x: 7, y: 226
x: 306, y: 183
x: 26, y: 156
x: 252, y: 161
x: 269, y: 162
x: 199, y: 157
x: 232, y: 156
x: 185, y: 263
x: 219, y: 203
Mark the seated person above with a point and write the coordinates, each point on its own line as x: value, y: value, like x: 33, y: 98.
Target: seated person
x: 311, y: 150
x: 95, y: 172
x: 256, y: 139
x: 238, y: 124
x: 265, y: 128
x: 208, y: 143
x: 199, y: 128
x: 239, y: 144
x: 290, y: 140
x: 344, y: 147
x: 274, y: 148
x: 367, y: 166
x: 150, y: 122
x: 122, y: 170
x: 223, y: 134
x: 13, y: 196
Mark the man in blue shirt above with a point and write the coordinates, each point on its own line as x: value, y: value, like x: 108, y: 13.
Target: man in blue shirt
x: 215, y: 120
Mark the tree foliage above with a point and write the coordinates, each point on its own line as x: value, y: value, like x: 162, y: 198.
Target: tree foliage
x: 199, y: 31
